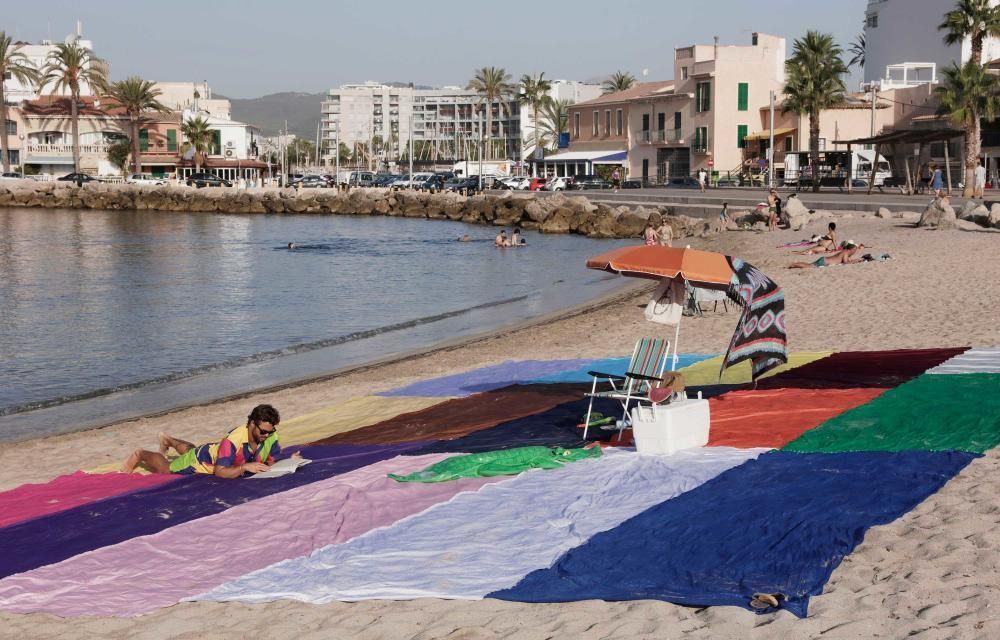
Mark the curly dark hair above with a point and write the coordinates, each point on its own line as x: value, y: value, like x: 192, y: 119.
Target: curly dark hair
x: 264, y: 413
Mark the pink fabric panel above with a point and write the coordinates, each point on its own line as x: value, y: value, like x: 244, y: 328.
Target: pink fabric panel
x: 149, y: 572
x: 65, y: 492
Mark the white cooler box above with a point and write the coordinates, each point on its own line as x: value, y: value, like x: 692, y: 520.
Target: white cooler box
x: 667, y: 428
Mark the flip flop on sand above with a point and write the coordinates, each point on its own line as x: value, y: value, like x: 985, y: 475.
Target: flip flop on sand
x: 762, y: 601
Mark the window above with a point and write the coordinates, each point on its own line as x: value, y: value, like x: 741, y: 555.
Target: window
x: 684, y: 73
x: 216, y: 142
x: 741, y: 134
x: 11, y: 128
x: 742, y: 96
x: 701, y: 138
x: 171, y: 139
x: 576, y: 125
x: 607, y: 122
x: 661, y: 121
x: 753, y: 40
x: 143, y: 139
x: 788, y: 144
x: 872, y: 21
x: 703, y: 97
x: 645, y: 122
x: 822, y: 144
x: 619, y: 122
x: 596, y: 123
x: 677, y: 120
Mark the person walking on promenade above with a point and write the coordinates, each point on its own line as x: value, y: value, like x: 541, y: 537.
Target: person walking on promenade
x: 937, y: 180
x: 702, y: 177
x: 980, y: 180
x: 616, y: 180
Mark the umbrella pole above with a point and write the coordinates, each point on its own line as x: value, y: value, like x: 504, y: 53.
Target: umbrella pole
x: 677, y: 338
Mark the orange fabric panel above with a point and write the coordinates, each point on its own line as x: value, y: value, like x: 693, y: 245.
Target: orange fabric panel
x: 775, y: 417
x: 700, y: 267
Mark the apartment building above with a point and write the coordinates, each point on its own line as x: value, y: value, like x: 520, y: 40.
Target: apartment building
x: 38, y: 53
x: 447, y: 123
x: 703, y: 121
x: 570, y: 91
x: 195, y: 96
x: 903, y: 45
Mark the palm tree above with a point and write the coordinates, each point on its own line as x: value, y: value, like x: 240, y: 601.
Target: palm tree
x: 619, y: 81
x: 534, y: 93
x: 968, y: 94
x: 814, y: 82
x: 973, y: 19
x: 198, y: 137
x: 17, y: 65
x: 555, y: 120
x: 493, y: 85
x: 137, y: 97
x: 857, y: 51
x: 68, y: 68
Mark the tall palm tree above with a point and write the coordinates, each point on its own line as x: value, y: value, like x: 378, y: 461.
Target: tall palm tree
x: 814, y: 81
x: 137, y: 97
x: 198, y: 137
x: 534, y: 93
x: 618, y: 81
x: 857, y: 51
x: 973, y: 19
x: 15, y: 63
x: 68, y: 68
x: 968, y: 94
x: 555, y: 120
x: 493, y: 85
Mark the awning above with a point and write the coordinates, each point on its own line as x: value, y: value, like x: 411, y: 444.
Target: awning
x: 584, y: 156
x: 32, y: 159
x: 614, y: 158
x: 766, y: 133
x: 907, y: 136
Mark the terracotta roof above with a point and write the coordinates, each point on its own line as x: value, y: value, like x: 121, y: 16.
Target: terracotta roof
x: 61, y: 106
x: 639, y: 90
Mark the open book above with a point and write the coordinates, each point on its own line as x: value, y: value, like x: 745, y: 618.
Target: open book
x: 282, y: 468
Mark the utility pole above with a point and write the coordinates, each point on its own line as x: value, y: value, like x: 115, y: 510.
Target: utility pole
x: 770, y: 147
x: 410, y: 181
x: 336, y: 175
x: 874, y: 88
x: 316, y: 150
x: 481, y: 149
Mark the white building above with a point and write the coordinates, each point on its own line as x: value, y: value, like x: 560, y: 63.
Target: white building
x: 15, y: 91
x: 375, y: 120
x: 902, y: 42
x: 196, y: 96
x: 572, y: 91
x: 235, y: 150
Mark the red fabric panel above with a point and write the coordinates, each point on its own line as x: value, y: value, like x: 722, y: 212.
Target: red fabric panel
x: 853, y: 369
x: 775, y: 417
x: 65, y: 492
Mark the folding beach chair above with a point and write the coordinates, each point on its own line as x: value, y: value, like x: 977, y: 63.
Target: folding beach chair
x: 649, y: 359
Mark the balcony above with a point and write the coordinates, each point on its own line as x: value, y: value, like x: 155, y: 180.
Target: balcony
x: 64, y: 149
x: 659, y: 136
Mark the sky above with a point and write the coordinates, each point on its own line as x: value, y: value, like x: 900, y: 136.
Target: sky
x: 249, y: 48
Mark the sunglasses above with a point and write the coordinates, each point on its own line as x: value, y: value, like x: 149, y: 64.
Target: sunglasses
x: 266, y: 433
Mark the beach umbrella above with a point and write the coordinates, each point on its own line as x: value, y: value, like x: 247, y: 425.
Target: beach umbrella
x: 760, y: 334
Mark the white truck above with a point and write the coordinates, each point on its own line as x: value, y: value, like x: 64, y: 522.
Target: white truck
x: 834, y: 167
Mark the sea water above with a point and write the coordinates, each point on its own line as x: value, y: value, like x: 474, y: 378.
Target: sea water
x: 108, y: 315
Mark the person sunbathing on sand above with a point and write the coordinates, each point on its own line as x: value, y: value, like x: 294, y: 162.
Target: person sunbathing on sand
x: 825, y: 243
x: 250, y: 449
x: 844, y: 256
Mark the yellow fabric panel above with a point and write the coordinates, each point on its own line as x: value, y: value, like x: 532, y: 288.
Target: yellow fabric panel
x: 707, y: 371
x: 337, y: 418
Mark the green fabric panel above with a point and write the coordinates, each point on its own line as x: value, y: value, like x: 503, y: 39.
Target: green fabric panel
x: 507, y: 462
x: 932, y: 412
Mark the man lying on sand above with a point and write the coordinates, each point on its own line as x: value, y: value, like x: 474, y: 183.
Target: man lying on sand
x: 249, y: 449
x: 844, y: 256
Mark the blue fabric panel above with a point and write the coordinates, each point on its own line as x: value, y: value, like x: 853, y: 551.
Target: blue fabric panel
x: 54, y: 538
x: 614, y: 365
x: 778, y: 524
x: 486, y: 378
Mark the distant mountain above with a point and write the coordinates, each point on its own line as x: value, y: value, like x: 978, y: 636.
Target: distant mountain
x: 270, y: 112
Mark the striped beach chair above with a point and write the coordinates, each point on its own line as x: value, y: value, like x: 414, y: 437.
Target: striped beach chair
x: 649, y: 359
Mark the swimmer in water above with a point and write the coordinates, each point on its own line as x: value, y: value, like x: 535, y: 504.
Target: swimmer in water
x: 292, y: 246
x: 465, y: 238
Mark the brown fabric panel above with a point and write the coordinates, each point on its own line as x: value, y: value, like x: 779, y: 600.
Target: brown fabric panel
x: 461, y: 416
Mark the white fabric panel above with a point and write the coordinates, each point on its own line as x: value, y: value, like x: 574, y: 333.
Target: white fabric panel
x: 481, y: 542
x: 972, y: 361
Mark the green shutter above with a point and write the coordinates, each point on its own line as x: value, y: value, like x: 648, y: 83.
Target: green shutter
x: 171, y: 139
x: 143, y: 139
x: 741, y: 134
x: 697, y: 138
x: 743, y: 97
x: 216, y: 142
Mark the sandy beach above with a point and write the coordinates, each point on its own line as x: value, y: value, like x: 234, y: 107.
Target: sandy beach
x: 933, y: 573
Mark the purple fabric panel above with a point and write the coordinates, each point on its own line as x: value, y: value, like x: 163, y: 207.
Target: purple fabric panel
x: 65, y: 492
x: 58, y: 536
x: 146, y: 573
x: 487, y: 378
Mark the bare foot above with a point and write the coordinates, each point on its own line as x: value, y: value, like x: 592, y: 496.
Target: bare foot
x: 164, y: 444
x: 132, y: 461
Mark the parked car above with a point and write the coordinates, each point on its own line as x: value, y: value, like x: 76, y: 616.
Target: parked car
x: 416, y: 181
x: 360, y: 178
x: 206, y: 179
x: 431, y: 183
x: 77, y: 177
x: 683, y: 182
x: 632, y: 183
x: 587, y: 181
x: 10, y: 175
x: 536, y: 184
x: 558, y: 184
x: 445, y: 176
x: 468, y: 185
x: 312, y: 182
x: 385, y: 179
x: 144, y: 179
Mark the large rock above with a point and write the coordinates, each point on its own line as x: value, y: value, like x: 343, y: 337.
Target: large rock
x: 938, y: 215
x: 796, y: 212
x: 994, y: 218
x: 883, y: 213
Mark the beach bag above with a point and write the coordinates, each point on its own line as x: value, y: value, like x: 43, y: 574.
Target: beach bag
x: 667, y: 303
